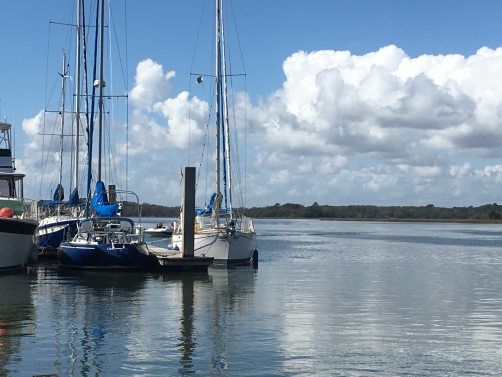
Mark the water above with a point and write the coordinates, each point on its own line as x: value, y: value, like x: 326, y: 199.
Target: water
x: 328, y: 298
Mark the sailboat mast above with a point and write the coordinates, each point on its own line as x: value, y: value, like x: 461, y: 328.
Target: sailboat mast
x: 216, y: 204
x: 101, y: 86
x: 61, y: 138
x: 77, y: 95
x: 226, y: 133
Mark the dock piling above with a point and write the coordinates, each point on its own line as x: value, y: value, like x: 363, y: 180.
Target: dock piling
x: 188, y: 208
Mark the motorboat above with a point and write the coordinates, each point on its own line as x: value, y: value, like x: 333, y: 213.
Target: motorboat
x: 17, y: 228
x: 160, y: 230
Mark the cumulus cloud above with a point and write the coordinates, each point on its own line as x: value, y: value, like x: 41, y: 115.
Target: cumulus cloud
x: 408, y: 116
x: 379, y: 128
x: 151, y: 84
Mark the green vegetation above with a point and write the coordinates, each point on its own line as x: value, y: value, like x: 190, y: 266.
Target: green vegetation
x: 428, y: 212
x: 130, y: 209
x: 290, y: 210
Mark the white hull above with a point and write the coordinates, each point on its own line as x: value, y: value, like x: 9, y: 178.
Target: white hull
x: 160, y: 232
x: 15, y: 248
x: 223, y: 247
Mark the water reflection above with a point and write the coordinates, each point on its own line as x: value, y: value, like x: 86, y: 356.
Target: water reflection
x: 207, y: 301
x: 319, y: 305
x: 16, y: 320
x: 130, y: 324
x: 232, y: 296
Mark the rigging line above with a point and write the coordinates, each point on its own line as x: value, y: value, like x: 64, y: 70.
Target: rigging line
x: 113, y: 176
x: 189, y: 121
x: 245, y: 142
x: 110, y: 63
x: 47, y: 65
x: 42, y: 152
x: 45, y: 165
x: 127, y: 43
x: 127, y: 145
x: 235, y: 149
x: 237, y: 34
x: 86, y: 100
x: 127, y: 98
x: 111, y: 21
x: 91, y: 125
x: 201, y: 157
x: 198, y: 33
x: 54, y: 10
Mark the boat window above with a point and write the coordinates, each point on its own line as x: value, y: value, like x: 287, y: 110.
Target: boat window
x: 7, y: 187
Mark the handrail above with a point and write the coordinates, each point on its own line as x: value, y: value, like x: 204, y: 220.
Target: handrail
x: 106, y: 191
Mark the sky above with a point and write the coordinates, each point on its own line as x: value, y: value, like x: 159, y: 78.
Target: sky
x: 343, y: 103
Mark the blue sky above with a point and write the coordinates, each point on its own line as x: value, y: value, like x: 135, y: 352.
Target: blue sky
x: 271, y: 32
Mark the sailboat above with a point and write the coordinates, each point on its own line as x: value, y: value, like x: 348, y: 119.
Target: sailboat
x: 104, y: 239
x: 220, y: 232
x: 16, y: 229
x: 59, y: 218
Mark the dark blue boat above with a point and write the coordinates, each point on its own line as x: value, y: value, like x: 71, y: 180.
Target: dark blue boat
x: 112, y: 243
x: 54, y: 230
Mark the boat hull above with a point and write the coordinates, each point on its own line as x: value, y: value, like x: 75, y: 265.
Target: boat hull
x: 236, y: 247
x: 163, y: 232
x: 16, y: 243
x: 80, y: 255
x: 52, y: 231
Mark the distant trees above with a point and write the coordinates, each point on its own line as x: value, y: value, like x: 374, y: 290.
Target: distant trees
x: 488, y: 211
x: 130, y: 209
x: 292, y: 210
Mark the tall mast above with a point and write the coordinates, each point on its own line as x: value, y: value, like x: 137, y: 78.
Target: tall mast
x: 216, y: 204
x: 77, y: 95
x: 91, y: 123
x: 226, y: 135
x: 61, y: 139
x: 101, y: 86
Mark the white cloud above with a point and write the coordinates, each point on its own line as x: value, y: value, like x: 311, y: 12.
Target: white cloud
x: 151, y: 84
x: 380, y: 128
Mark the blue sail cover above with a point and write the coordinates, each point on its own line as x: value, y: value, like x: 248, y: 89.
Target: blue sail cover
x: 100, y: 202
x: 58, y: 194
x: 74, y: 199
x: 209, y: 208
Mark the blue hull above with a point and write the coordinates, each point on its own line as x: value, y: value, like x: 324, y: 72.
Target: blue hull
x: 52, y: 239
x: 104, y: 256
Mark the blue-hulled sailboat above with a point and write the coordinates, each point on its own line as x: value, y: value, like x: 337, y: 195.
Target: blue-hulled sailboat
x: 58, y: 218
x: 104, y: 239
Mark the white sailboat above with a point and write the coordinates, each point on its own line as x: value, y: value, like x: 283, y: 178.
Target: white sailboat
x: 221, y: 232
x: 59, y: 218
x: 16, y: 229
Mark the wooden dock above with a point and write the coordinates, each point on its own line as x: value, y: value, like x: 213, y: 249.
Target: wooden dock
x: 173, y: 260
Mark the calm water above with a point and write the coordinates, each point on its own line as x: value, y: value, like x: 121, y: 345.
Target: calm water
x: 328, y: 298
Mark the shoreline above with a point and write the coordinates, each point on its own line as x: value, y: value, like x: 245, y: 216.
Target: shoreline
x: 394, y: 220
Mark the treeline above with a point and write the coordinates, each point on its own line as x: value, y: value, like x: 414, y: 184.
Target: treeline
x: 290, y: 210
x: 428, y: 212
x: 130, y: 209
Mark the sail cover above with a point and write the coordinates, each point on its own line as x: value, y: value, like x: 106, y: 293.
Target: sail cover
x: 209, y: 208
x: 74, y: 199
x: 100, y: 202
x: 58, y: 194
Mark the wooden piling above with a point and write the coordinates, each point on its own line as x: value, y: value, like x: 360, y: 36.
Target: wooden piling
x: 188, y: 205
